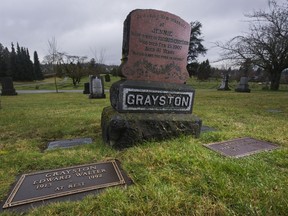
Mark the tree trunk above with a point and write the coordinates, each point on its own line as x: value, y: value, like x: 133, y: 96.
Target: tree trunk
x: 74, y: 80
x: 275, y: 76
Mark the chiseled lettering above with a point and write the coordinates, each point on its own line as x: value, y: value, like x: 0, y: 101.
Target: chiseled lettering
x: 163, y: 32
x: 185, y: 101
x: 154, y: 98
x: 162, y: 100
x: 139, y: 99
x: 147, y: 101
x: 170, y: 98
x: 131, y: 99
x: 177, y: 101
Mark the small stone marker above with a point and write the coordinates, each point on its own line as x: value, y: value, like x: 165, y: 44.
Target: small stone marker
x: 151, y: 101
x: 96, y: 86
x: 274, y: 111
x: 243, y: 85
x: 86, y: 88
x: 68, y: 143
x: 70, y: 183
x: 224, y: 84
x: 241, y: 147
x: 7, y: 86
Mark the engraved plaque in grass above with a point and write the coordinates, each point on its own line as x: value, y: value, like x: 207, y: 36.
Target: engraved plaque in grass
x: 241, y: 147
x: 69, y: 183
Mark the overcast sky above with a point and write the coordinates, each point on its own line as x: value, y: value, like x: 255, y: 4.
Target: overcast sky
x: 80, y: 26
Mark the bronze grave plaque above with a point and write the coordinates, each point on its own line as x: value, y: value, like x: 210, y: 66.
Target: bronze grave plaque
x: 241, y: 147
x: 35, y: 188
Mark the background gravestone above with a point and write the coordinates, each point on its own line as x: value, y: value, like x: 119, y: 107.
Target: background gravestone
x: 86, y: 88
x: 151, y: 101
x: 243, y: 85
x: 225, y: 83
x: 96, y: 87
x: 7, y: 86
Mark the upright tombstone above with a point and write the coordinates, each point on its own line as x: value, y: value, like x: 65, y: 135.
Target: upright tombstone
x: 86, y: 88
x: 151, y: 101
x: 243, y: 85
x: 7, y: 86
x: 96, y: 87
x: 225, y: 83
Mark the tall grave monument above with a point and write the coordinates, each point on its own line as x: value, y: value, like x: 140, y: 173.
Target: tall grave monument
x: 151, y: 101
x: 7, y: 86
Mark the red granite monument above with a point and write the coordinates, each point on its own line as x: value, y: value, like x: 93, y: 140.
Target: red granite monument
x: 151, y: 101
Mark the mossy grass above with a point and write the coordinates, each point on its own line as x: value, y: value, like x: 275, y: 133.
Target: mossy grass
x: 171, y: 177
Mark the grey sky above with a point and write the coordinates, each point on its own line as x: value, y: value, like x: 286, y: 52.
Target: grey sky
x: 80, y: 26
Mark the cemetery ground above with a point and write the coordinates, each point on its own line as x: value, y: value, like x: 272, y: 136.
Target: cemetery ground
x: 171, y: 177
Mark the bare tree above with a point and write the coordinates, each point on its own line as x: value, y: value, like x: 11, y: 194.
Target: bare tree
x: 98, y: 61
x: 74, y: 67
x: 53, y: 58
x: 266, y: 43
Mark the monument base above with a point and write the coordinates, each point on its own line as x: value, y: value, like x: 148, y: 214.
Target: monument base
x: 9, y: 92
x: 93, y: 96
x: 243, y: 88
x: 122, y: 130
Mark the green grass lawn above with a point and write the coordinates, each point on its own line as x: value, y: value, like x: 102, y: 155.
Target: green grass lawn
x: 171, y: 177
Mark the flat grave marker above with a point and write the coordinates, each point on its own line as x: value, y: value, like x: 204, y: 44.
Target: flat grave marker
x: 70, y: 183
x: 68, y: 143
x: 241, y: 147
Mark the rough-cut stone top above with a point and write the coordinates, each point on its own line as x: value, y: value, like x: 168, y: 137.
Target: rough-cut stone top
x: 155, y: 47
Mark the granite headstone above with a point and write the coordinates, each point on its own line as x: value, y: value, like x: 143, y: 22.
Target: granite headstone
x: 151, y: 101
x: 243, y: 85
x: 224, y: 86
x: 86, y: 88
x: 7, y: 86
x: 96, y: 87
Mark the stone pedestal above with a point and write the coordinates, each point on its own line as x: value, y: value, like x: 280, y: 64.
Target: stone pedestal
x: 122, y: 130
x: 243, y: 85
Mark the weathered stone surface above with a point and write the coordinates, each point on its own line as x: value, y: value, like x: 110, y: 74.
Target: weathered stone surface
x: 155, y: 47
x: 145, y: 96
x: 122, y: 130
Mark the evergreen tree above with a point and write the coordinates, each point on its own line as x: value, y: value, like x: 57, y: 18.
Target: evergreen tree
x: 13, y: 62
x: 28, y: 65
x: 37, y: 69
x: 195, y: 45
x: 204, y: 70
x: 3, y: 62
x: 19, y: 64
